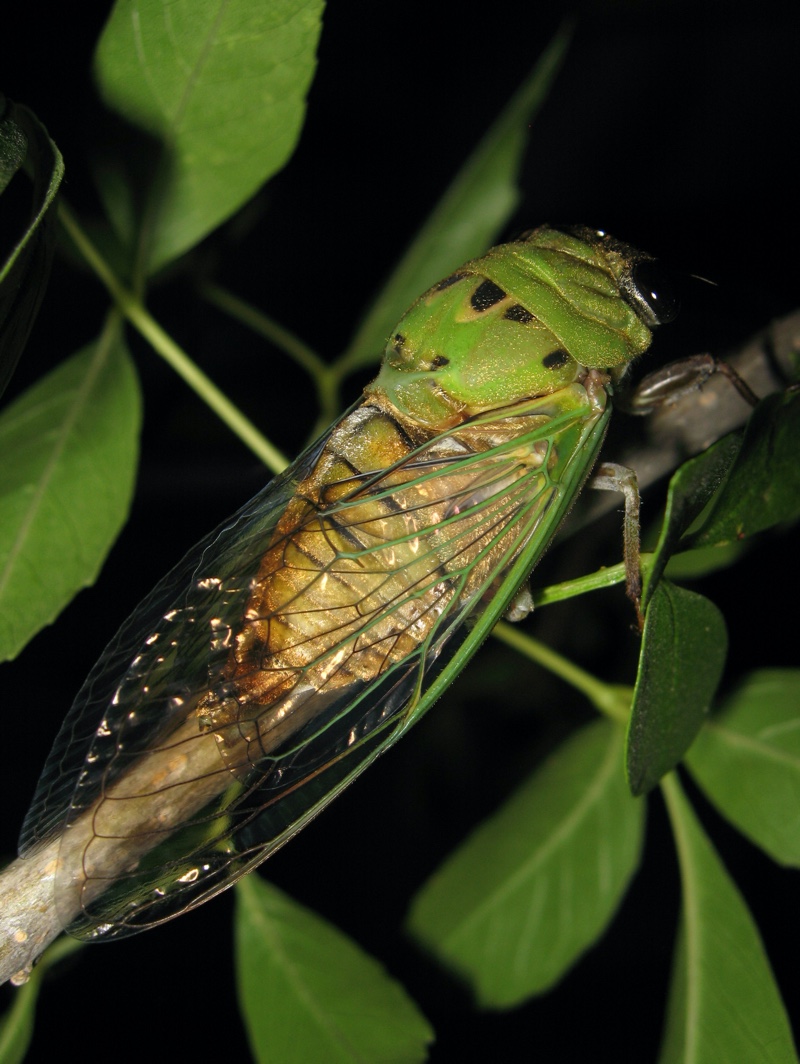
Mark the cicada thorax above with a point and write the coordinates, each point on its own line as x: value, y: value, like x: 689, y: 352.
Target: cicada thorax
x: 527, y: 319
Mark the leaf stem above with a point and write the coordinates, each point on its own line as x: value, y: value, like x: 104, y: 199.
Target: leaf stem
x: 597, y: 581
x: 137, y: 314
x: 263, y: 325
x: 17, y: 1023
x: 326, y: 377
x: 610, y: 700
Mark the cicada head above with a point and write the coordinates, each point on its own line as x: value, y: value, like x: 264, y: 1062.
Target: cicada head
x: 526, y: 319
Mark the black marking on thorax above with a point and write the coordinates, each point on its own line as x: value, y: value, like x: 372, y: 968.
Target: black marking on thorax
x: 486, y: 295
x: 556, y: 359
x: 517, y: 312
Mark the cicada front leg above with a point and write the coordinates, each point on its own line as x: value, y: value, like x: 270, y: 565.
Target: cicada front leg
x: 655, y: 391
x: 676, y: 380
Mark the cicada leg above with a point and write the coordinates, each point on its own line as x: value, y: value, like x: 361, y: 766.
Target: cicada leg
x: 672, y: 382
x: 655, y: 391
x: 612, y: 477
x: 521, y: 606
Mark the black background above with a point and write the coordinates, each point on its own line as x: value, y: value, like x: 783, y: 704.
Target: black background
x: 673, y: 125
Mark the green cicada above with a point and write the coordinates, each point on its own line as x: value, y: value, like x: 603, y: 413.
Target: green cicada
x: 300, y: 640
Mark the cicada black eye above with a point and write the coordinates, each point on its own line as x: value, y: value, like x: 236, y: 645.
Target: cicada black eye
x: 652, y: 290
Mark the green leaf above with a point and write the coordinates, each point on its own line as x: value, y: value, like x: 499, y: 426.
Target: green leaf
x: 690, y: 489
x: 13, y: 144
x: 513, y: 909
x: 693, y: 564
x: 69, y: 449
x: 683, y: 653
x: 25, y: 269
x: 16, y: 1026
x: 468, y: 217
x: 724, y: 1004
x: 747, y: 760
x: 763, y: 487
x: 220, y: 87
x: 308, y: 993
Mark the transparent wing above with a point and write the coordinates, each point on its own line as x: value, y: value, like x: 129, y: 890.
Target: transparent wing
x: 159, y: 655
x: 284, y: 654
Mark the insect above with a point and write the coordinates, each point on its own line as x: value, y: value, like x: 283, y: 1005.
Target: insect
x: 300, y: 640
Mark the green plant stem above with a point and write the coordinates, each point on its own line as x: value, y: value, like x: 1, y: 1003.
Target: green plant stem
x: 265, y: 326
x: 13, y: 1034
x: 326, y: 378
x: 603, y: 578
x: 612, y: 701
x: 137, y: 314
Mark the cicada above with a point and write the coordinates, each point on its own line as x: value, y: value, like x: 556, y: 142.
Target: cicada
x: 303, y: 637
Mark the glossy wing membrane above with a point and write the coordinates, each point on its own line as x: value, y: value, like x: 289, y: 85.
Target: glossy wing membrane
x: 287, y: 651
